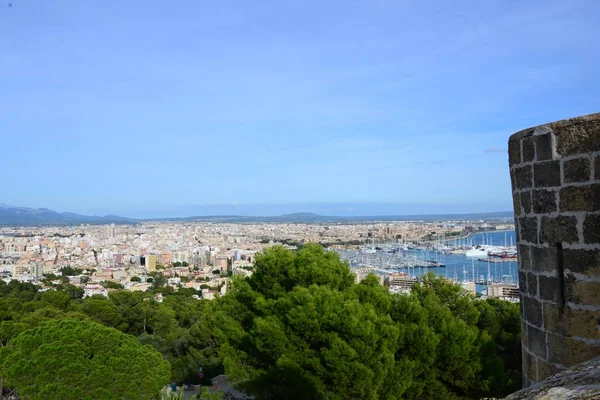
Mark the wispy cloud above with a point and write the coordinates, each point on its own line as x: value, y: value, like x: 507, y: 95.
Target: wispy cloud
x: 495, y: 149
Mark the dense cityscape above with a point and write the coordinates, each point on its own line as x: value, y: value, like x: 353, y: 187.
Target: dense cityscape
x: 201, y: 256
x: 182, y: 288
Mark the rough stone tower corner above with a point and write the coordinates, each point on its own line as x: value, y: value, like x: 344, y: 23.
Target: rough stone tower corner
x: 555, y: 174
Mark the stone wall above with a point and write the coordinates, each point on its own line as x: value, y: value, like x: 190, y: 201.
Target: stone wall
x: 555, y: 174
x: 575, y: 383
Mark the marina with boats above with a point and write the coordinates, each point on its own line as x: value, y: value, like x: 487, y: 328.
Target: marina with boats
x: 482, y: 260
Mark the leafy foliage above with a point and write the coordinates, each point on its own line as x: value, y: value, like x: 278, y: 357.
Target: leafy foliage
x: 77, y: 359
x: 111, y: 285
x: 70, y: 271
x: 299, y: 327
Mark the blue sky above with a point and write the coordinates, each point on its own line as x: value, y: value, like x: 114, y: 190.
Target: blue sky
x: 157, y: 108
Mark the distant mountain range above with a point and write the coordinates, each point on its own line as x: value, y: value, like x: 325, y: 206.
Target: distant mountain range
x: 10, y: 215
x: 315, y: 218
x: 21, y: 216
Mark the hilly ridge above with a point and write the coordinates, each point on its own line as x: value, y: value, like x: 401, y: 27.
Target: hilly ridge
x: 11, y: 215
x: 23, y: 216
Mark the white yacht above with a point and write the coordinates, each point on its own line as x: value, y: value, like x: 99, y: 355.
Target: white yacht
x: 481, y: 252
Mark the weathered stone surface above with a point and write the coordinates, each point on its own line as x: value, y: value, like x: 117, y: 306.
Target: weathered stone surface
x: 558, y: 229
x: 529, y: 231
x: 578, y: 137
x: 523, y: 280
x: 526, y: 201
x: 577, y: 351
x: 582, y: 323
x: 591, y: 228
x: 581, y: 292
x: 524, y: 177
x: 553, y: 319
x: 528, y: 149
x: 512, y: 181
x: 546, y: 174
x: 576, y: 170
x: 577, y: 383
x: 537, y: 341
x: 532, y: 284
x: 543, y: 146
x: 523, y: 253
x: 517, y: 204
x: 585, y: 262
x: 546, y: 370
x: 545, y: 259
x: 556, y: 201
x: 532, y: 312
x: 514, y: 152
x: 530, y: 366
x: 544, y: 201
x: 580, y: 198
x: 556, y: 349
x: 550, y: 289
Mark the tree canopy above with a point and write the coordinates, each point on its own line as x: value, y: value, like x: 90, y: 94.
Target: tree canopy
x: 299, y: 328
x: 79, y: 359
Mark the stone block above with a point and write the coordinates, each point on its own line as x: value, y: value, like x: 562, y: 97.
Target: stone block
x: 576, y: 170
x: 523, y: 334
x: 550, y: 289
x: 580, y: 198
x: 544, y: 259
x: 528, y: 228
x: 544, y: 146
x: 524, y: 177
x: 582, y: 323
x: 586, y: 262
x: 546, y: 174
x: 553, y: 318
x: 561, y: 229
x: 523, y: 252
x: 530, y: 364
x: 544, y: 201
x: 581, y: 292
x: 536, y: 338
x: 512, y: 181
x: 579, y: 137
x: 591, y: 228
x: 577, y: 351
x: 517, y: 204
x: 546, y: 370
x: 532, y: 312
x: 556, y: 349
x: 528, y: 149
x: 597, y: 168
x: 526, y: 201
x: 523, y: 281
x: 514, y: 152
x: 532, y: 285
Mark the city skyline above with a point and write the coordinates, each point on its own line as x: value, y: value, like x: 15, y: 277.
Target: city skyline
x: 150, y: 110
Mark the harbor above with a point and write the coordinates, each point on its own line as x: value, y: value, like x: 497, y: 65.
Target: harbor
x: 449, y: 259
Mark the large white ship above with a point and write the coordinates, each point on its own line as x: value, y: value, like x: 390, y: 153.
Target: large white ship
x: 480, y: 251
